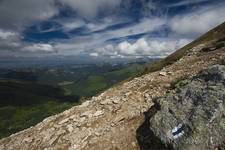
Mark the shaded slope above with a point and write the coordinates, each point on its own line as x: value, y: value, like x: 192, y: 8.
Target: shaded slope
x: 23, y: 104
x: 17, y: 93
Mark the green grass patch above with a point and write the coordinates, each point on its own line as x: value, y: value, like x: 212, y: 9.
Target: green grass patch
x: 95, y: 84
x: 17, y: 118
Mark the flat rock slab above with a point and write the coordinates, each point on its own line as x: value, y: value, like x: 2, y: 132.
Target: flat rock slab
x: 192, y: 117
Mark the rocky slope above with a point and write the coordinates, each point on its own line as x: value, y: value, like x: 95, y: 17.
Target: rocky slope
x: 111, y: 120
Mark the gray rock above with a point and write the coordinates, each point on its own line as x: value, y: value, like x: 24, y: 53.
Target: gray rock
x: 191, y: 119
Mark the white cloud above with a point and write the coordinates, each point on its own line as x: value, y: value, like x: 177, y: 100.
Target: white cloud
x: 39, y: 48
x: 94, y: 54
x: 15, y: 15
x: 144, y: 26
x: 184, y: 28
x: 143, y: 47
x: 6, y: 34
x: 198, y: 22
x: 9, y: 40
x: 96, y: 40
x: 70, y: 25
x: 186, y: 2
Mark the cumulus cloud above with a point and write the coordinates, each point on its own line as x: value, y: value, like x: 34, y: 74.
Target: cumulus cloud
x: 6, y: 34
x: 142, y: 47
x: 198, y: 22
x: 11, y: 41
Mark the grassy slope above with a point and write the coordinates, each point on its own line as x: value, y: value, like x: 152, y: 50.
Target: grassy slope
x: 23, y: 104
x: 97, y: 82
x: 215, y: 33
x: 17, y: 118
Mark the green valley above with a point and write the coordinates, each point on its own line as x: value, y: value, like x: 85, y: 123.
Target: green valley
x: 28, y: 95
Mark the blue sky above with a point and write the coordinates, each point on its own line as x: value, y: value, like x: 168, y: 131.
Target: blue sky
x: 104, y: 28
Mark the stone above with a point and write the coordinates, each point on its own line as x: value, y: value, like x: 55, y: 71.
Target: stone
x: 192, y: 117
x: 162, y: 73
x: 70, y: 128
x: 133, y: 144
x: 84, y: 104
x: 27, y: 140
x: 52, y: 140
x: 146, y: 95
x: 105, y: 102
x: 118, y: 119
x: 97, y: 134
x: 87, y: 114
x: 116, y: 101
x: 73, y: 117
x: 75, y: 146
x: 170, y: 73
x: 82, y: 119
x: 98, y: 113
x: 84, y: 144
x: 167, y: 85
x: 60, y: 132
x: 63, y: 121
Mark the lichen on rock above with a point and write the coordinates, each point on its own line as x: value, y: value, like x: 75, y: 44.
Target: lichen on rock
x: 191, y: 118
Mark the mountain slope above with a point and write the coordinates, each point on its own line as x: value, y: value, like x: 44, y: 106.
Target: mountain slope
x: 111, y: 119
x: 23, y: 104
x: 213, y: 34
x: 26, y: 100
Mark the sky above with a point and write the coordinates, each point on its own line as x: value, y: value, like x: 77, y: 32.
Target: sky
x: 104, y: 28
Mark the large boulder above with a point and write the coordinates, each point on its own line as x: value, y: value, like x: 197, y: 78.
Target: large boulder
x: 190, y: 117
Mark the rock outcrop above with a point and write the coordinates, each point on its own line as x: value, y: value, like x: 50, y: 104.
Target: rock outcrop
x: 192, y: 116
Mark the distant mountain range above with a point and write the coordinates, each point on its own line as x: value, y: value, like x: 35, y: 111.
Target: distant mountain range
x: 51, y: 61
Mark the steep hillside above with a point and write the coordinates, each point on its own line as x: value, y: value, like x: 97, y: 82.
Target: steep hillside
x: 23, y: 104
x: 28, y: 95
x: 111, y: 120
x: 213, y: 34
